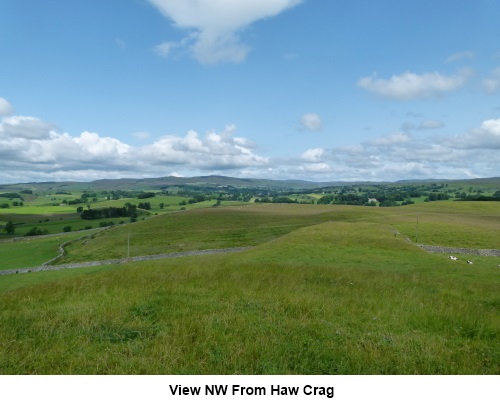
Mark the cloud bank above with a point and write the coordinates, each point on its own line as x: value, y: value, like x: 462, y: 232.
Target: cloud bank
x: 402, y: 155
x: 33, y: 150
x: 215, y: 26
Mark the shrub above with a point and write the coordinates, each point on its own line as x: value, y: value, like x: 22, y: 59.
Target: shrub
x: 36, y: 231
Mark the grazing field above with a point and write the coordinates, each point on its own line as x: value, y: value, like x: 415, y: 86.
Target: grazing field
x: 325, y: 290
x: 30, y: 252
x: 456, y: 224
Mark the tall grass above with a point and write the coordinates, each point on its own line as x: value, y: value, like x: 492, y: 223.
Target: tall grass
x: 334, y: 298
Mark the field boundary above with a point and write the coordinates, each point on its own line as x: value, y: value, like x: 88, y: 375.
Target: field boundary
x: 44, y: 267
x: 465, y: 251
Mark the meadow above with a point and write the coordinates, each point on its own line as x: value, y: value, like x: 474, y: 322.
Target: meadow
x: 321, y: 290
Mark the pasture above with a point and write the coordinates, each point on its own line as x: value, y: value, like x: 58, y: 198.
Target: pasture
x: 324, y: 290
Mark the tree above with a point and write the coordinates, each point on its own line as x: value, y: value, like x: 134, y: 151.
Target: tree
x: 10, y: 228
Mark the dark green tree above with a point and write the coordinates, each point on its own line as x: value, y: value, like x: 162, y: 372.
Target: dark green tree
x: 10, y: 228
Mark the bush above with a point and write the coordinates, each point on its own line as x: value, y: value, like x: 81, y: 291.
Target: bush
x: 146, y: 195
x: 35, y: 232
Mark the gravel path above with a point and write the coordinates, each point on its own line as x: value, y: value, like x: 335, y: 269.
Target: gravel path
x: 45, y: 267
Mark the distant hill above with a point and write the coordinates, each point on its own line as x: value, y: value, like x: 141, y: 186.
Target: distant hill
x: 216, y: 182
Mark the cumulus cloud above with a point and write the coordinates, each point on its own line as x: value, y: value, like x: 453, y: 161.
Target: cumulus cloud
x: 215, y: 26
x: 215, y: 151
x: 313, y: 155
x: 311, y: 122
x: 487, y: 136
x: 25, y: 127
x: 411, y: 86
x: 5, y: 107
x: 31, y: 148
x: 400, y: 155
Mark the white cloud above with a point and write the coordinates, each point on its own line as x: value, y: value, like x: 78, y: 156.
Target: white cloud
x: 411, y: 86
x: 317, y: 167
x: 100, y: 149
x: 313, y: 155
x: 492, y: 126
x: 492, y: 84
x: 31, y: 148
x: 487, y: 136
x: 216, y: 151
x: 402, y: 156
x: 311, y: 122
x: 215, y: 25
x: 5, y: 107
x: 25, y: 127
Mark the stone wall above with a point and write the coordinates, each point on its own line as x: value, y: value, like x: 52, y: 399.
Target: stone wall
x: 124, y: 260
x: 464, y: 251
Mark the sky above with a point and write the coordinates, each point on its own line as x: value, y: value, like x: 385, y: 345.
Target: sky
x: 320, y: 90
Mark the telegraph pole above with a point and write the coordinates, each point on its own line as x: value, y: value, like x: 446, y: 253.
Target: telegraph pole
x: 416, y: 236
x: 128, y: 246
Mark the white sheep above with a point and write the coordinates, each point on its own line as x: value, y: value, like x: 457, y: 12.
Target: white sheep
x: 452, y: 257
x: 469, y: 262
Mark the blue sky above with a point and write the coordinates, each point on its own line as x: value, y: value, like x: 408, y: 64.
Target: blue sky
x: 282, y: 89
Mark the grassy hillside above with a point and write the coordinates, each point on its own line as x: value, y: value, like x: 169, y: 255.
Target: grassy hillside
x: 457, y: 224
x: 325, y: 290
x: 31, y: 252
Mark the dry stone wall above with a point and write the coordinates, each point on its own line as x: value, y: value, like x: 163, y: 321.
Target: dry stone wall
x: 464, y: 251
x: 124, y: 260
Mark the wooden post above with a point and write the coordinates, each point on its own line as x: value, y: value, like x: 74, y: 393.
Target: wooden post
x: 128, y: 246
x: 416, y: 237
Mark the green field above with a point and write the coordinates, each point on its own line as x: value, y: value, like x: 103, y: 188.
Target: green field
x: 324, y: 290
x: 31, y: 252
